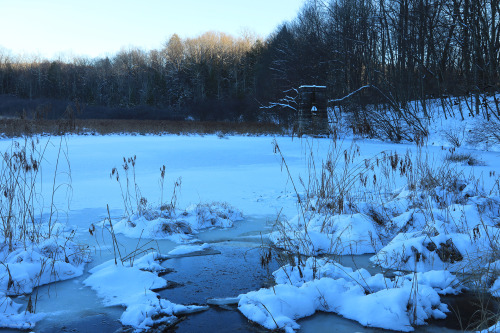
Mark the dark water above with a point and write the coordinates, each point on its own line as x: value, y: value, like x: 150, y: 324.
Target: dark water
x: 217, y: 320
x: 85, y: 323
x: 470, y: 311
x: 236, y: 270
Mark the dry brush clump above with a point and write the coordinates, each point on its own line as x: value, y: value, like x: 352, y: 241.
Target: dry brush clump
x: 485, y: 132
x: 22, y: 206
x: 463, y: 158
x: 341, y: 188
x: 387, y: 121
x: 133, y: 200
x: 13, y: 127
x: 36, y: 247
x: 165, y: 219
x: 134, y: 203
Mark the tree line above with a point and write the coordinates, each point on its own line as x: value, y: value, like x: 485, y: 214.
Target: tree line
x: 203, y: 77
x: 384, y: 52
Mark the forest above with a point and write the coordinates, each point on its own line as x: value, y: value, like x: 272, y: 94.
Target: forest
x: 378, y: 53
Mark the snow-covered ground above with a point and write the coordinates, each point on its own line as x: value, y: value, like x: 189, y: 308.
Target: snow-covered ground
x: 424, y: 233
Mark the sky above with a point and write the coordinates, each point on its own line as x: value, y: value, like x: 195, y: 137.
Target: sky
x: 94, y: 28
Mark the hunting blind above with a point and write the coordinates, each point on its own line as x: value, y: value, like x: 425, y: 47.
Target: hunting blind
x: 313, y: 116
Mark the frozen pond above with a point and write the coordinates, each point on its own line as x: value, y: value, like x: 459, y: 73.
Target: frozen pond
x: 232, y: 268
x: 244, y: 172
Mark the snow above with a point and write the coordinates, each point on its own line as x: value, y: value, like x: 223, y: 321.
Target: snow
x: 423, y: 226
x: 495, y: 289
x: 444, y: 282
x: 372, y: 300
x: 341, y: 234
x: 178, y: 225
x: 493, y: 329
x: 187, y: 249
x: 132, y: 286
x: 312, y: 86
x: 388, y: 308
x: 12, y: 317
x: 441, y: 240
x: 32, y: 265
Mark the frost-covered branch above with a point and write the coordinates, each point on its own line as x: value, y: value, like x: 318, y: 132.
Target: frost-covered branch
x: 389, y: 99
x: 349, y: 95
x: 288, y: 101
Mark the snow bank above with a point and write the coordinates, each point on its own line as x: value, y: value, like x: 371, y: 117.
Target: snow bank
x: 322, y: 285
x: 178, y: 225
x: 444, y: 282
x: 457, y: 231
x: 31, y: 265
x: 34, y: 265
x: 132, y: 286
x: 313, y: 268
x: 12, y: 317
x: 452, y: 226
x: 322, y: 234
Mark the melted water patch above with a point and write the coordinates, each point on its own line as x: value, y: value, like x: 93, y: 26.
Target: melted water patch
x: 236, y: 270
x: 218, y: 320
x: 470, y: 311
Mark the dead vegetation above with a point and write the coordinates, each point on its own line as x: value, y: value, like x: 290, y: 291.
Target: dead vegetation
x: 13, y: 127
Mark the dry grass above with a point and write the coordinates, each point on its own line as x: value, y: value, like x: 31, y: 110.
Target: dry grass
x: 464, y: 158
x: 21, y: 202
x: 20, y: 127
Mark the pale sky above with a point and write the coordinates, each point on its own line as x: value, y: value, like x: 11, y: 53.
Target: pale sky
x: 49, y: 28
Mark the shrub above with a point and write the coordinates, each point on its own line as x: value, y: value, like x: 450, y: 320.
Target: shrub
x: 485, y: 133
x: 464, y: 158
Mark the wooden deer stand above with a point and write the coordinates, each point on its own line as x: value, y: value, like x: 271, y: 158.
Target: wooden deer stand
x: 313, y: 116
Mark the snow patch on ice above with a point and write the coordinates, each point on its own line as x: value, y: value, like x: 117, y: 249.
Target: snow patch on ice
x: 321, y: 234
x: 186, y: 249
x: 31, y: 265
x: 12, y: 317
x: 132, y: 286
x: 178, y: 225
x: 373, y: 301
